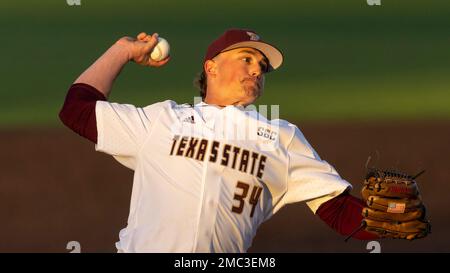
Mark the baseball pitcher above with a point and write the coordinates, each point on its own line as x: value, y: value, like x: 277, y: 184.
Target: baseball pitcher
x: 207, y: 175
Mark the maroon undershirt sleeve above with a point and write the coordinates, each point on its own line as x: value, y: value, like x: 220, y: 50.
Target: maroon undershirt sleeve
x: 78, y: 111
x: 343, y: 214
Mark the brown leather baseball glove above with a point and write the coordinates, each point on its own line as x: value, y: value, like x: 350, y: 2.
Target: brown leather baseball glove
x: 394, y: 208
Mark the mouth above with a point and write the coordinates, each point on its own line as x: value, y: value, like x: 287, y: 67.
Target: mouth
x: 254, y: 82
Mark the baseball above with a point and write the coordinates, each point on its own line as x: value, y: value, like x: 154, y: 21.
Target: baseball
x: 161, y: 50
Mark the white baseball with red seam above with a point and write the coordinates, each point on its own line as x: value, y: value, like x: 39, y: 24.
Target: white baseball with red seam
x: 161, y: 50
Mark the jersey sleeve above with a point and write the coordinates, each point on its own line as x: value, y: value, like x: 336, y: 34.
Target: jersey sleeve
x: 309, y: 178
x: 123, y: 128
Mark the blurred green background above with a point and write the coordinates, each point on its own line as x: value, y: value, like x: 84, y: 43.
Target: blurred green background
x: 344, y: 60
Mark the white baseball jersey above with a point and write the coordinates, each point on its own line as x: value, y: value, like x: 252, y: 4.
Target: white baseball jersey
x: 205, y: 177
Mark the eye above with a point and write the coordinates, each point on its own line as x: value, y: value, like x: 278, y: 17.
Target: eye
x: 247, y: 59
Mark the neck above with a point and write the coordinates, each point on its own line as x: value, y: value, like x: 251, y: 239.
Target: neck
x: 223, y: 102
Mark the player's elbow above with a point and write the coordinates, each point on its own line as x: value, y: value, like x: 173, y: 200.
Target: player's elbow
x: 64, y: 115
x: 79, y: 104
x: 72, y: 108
x: 78, y: 111
x: 75, y: 115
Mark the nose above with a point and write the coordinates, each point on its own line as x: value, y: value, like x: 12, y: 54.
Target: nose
x: 256, y: 71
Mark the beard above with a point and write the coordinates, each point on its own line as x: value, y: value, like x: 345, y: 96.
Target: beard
x: 251, y: 87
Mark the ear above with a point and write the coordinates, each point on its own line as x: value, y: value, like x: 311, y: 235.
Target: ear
x: 210, y: 68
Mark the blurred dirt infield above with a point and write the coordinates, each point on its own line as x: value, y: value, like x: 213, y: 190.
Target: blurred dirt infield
x: 54, y: 188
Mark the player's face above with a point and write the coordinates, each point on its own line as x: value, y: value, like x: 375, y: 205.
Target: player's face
x: 240, y: 74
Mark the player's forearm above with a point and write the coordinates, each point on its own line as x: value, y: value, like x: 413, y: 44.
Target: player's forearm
x: 105, y: 70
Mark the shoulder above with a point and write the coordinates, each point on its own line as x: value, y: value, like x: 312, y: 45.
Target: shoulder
x: 293, y: 138
x: 167, y: 106
x: 162, y: 104
x: 149, y: 111
x: 287, y: 131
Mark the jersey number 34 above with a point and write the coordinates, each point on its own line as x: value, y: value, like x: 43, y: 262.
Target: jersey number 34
x: 252, y: 200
